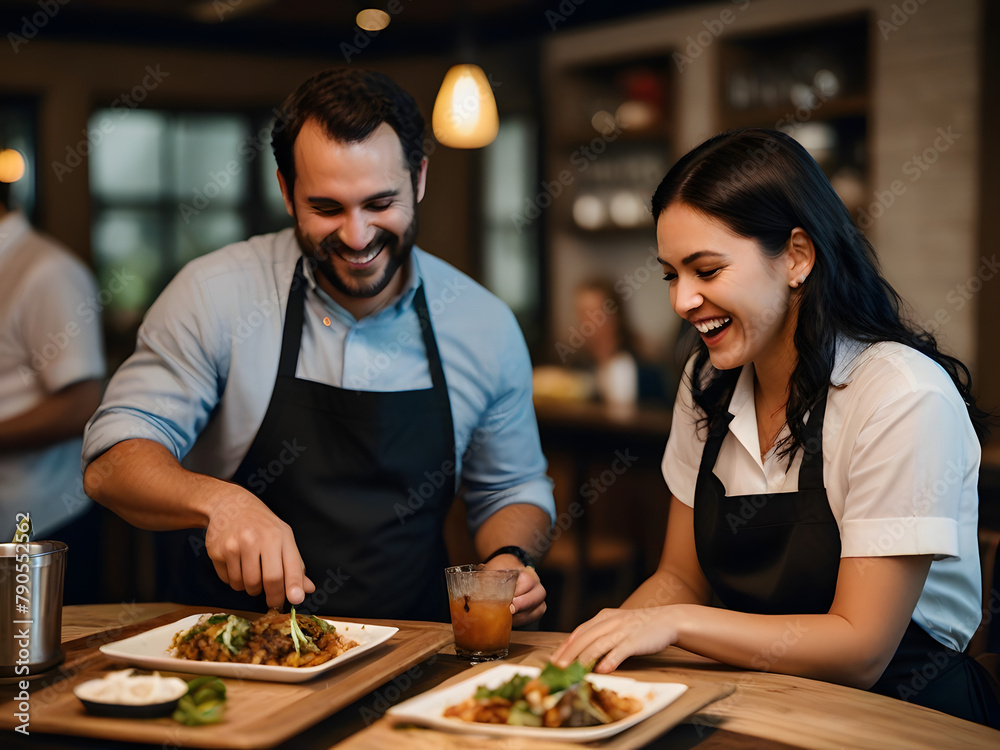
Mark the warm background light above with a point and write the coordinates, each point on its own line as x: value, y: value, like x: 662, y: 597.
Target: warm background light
x: 371, y: 19
x: 11, y: 165
x: 465, y: 112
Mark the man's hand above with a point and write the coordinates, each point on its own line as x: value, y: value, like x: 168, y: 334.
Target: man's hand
x: 529, y: 595
x: 253, y: 550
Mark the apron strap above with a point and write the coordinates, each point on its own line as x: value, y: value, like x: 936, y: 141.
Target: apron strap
x: 291, y: 340
x: 430, y: 342
x: 713, y: 444
x: 811, y: 469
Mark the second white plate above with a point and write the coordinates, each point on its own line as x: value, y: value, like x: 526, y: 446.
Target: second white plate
x: 152, y: 650
x: 428, y: 709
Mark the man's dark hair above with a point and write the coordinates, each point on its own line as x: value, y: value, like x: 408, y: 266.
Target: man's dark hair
x: 5, y: 195
x: 349, y: 105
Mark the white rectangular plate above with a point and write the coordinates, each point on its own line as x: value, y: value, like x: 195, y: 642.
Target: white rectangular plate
x: 152, y: 650
x: 428, y: 709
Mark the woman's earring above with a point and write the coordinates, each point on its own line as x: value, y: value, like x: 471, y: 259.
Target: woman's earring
x: 795, y: 284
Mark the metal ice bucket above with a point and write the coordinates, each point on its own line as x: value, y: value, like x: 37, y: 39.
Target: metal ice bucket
x: 31, y: 596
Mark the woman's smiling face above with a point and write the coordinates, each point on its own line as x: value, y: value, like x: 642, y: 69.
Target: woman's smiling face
x: 723, y: 284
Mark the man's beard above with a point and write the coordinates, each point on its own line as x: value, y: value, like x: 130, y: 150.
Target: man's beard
x: 397, y: 247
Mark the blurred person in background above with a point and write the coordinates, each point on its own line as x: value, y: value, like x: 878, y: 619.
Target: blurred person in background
x: 51, y: 371
x: 621, y: 375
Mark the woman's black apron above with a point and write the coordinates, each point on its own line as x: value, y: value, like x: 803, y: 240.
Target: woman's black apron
x: 365, y: 480
x: 779, y: 554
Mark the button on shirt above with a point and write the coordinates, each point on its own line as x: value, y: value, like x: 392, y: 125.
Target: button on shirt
x: 207, y: 356
x: 900, y: 465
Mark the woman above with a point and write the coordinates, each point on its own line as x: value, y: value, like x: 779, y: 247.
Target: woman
x: 609, y: 349
x: 824, y: 456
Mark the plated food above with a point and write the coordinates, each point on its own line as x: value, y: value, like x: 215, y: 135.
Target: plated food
x: 435, y: 707
x: 555, y: 698
x: 154, y: 649
x: 275, y: 639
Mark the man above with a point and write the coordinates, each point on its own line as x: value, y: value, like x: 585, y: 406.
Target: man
x: 332, y: 384
x: 51, y: 368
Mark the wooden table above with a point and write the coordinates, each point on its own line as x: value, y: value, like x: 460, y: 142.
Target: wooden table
x: 763, y: 710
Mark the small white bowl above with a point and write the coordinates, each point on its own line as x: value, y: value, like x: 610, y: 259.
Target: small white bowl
x: 123, y: 694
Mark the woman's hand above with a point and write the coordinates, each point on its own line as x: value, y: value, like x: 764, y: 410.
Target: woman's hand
x: 616, y: 634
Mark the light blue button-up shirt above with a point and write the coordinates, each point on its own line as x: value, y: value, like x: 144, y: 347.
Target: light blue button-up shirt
x: 207, y: 354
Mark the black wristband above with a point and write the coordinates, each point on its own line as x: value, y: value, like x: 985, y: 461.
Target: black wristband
x: 526, y: 559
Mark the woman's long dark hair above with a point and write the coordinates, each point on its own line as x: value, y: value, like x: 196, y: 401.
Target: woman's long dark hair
x: 762, y: 184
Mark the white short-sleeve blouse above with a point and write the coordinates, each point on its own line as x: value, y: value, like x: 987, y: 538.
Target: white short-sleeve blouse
x: 900, y: 465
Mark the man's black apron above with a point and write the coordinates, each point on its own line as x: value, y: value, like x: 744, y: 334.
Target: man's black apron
x: 779, y: 554
x: 365, y: 480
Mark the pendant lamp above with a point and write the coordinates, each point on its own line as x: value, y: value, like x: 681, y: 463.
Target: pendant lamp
x: 465, y: 112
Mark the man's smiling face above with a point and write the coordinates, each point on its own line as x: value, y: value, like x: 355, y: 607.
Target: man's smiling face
x: 355, y: 213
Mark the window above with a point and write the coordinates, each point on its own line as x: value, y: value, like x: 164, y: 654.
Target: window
x: 168, y: 187
x: 511, y: 261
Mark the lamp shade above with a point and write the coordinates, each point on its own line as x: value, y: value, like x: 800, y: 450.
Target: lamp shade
x: 465, y: 112
x: 11, y: 165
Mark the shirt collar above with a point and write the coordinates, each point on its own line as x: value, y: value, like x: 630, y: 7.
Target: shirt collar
x: 13, y: 227
x: 741, y: 406
x: 847, y: 358
x: 402, y: 301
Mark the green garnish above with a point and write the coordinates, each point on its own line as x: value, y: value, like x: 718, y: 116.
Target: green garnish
x: 323, y: 625
x: 521, y: 715
x: 512, y: 690
x: 235, y: 635
x: 193, y: 632
x: 216, y: 619
x: 557, y: 679
x: 300, y: 639
x: 204, y: 702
